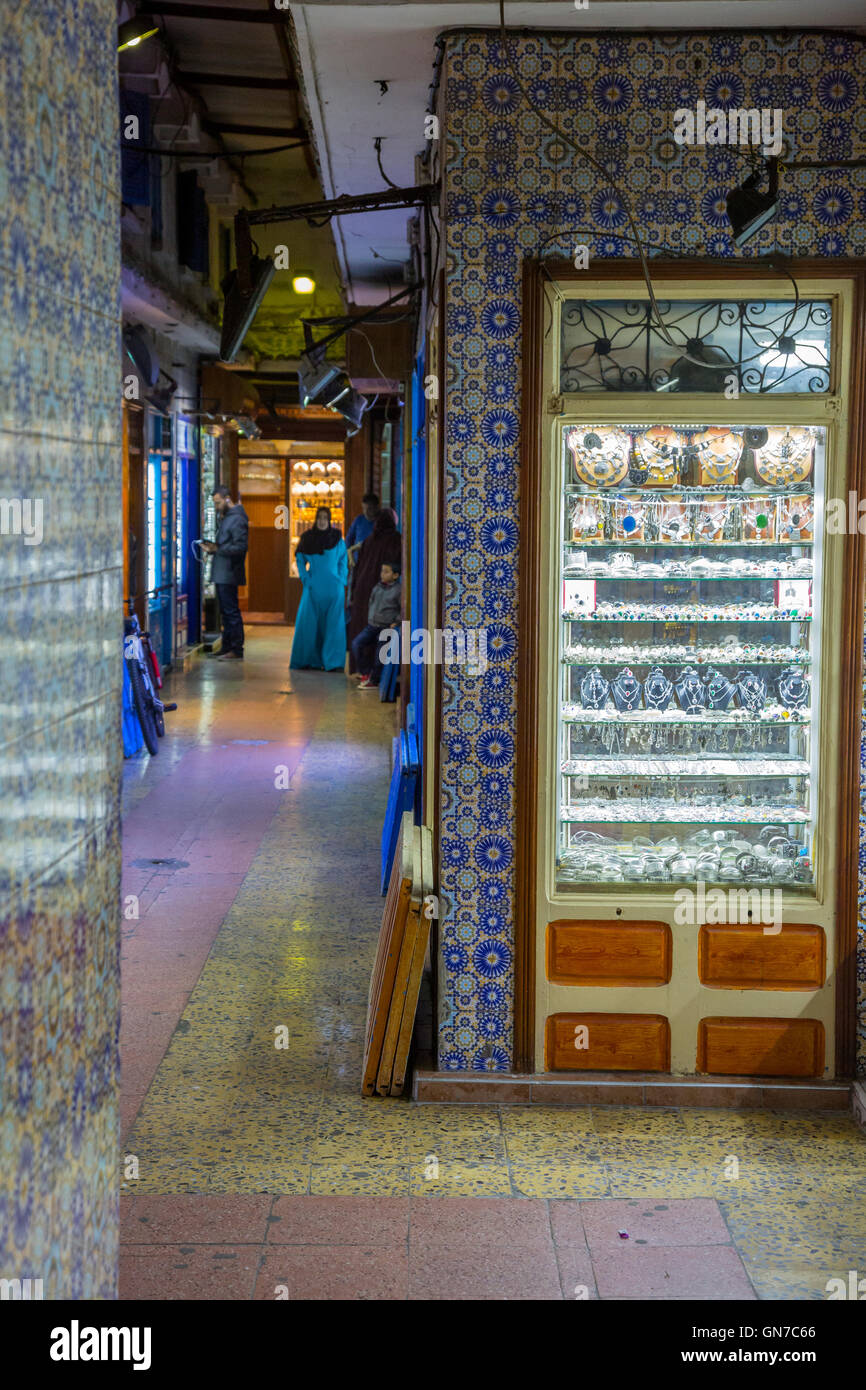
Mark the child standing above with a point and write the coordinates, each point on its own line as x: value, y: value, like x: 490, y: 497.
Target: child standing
x: 383, y: 611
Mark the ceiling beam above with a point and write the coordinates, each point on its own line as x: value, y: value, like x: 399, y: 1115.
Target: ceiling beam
x: 285, y: 48
x: 294, y: 132
x: 313, y: 431
x: 199, y: 101
x: 208, y: 13
x: 230, y: 79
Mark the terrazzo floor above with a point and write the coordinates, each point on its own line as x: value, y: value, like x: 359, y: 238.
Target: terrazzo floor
x: 251, y: 860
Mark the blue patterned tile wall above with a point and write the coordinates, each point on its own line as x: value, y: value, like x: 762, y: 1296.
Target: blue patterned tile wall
x: 60, y: 614
x: 512, y: 189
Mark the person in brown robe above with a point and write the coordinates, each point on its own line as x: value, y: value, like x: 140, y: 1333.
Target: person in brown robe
x: 383, y: 546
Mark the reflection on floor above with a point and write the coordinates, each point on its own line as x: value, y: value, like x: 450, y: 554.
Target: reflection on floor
x: 244, y: 996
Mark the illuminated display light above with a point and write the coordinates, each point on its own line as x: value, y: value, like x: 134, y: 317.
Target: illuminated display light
x: 135, y: 31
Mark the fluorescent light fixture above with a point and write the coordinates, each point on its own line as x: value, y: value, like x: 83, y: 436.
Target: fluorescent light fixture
x: 240, y: 308
x: 134, y: 31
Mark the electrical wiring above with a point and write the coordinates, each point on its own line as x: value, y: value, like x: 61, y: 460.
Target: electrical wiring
x: 205, y: 156
x: 592, y: 161
x: 774, y: 262
x: 366, y: 338
x: 377, y: 146
x: 634, y: 238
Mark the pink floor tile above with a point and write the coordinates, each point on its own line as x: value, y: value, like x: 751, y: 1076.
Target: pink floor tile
x: 697, y: 1271
x: 491, y: 1273
x: 576, y: 1275
x: 192, y: 1219
x: 187, y: 1272
x: 684, y: 1221
x: 368, y: 1221
x: 479, y: 1222
x: 344, y: 1272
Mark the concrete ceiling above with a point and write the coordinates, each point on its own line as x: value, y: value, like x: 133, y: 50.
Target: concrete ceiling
x: 345, y: 51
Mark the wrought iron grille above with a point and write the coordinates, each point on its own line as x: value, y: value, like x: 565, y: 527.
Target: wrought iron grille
x: 757, y: 346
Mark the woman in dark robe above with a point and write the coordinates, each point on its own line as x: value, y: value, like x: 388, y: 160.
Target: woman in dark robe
x: 383, y: 546
x: 320, y: 630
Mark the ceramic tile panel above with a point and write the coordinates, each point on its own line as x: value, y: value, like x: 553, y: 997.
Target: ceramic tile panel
x: 511, y: 188
x: 60, y: 753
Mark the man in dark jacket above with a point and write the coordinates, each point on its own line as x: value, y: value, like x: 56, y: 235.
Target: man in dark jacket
x: 229, y: 571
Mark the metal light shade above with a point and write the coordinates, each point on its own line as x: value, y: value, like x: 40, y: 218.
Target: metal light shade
x: 240, y: 309
x: 748, y: 209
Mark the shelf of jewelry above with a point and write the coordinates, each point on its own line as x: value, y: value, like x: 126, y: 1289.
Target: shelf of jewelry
x: 735, y: 782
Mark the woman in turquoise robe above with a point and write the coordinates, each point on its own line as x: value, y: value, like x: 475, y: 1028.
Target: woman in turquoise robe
x: 320, y: 627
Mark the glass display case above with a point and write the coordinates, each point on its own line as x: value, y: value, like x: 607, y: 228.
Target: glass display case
x: 690, y: 576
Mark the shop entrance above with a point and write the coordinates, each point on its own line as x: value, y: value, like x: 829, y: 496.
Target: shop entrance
x: 160, y: 541
x: 692, y: 852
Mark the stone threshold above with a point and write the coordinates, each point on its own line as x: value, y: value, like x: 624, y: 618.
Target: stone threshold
x: 632, y: 1088
x: 185, y: 660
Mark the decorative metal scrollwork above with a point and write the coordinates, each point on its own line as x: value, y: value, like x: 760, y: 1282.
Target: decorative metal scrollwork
x: 761, y: 345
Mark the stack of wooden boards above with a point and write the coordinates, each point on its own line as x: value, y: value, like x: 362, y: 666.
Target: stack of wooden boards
x: 396, y: 982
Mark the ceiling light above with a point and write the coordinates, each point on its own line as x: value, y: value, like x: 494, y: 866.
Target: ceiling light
x: 748, y: 209
x: 303, y: 282
x: 135, y: 31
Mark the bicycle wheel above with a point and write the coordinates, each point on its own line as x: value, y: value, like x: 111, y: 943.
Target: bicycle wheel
x: 144, y: 707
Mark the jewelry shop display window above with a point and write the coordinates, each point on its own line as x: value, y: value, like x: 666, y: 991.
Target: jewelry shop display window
x: 685, y: 707
x: 690, y: 658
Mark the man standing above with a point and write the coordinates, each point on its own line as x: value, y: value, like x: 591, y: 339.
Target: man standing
x: 362, y: 525
x: 229, y: 571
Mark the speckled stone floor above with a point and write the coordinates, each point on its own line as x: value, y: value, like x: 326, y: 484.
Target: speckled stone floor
x: 245, y: 980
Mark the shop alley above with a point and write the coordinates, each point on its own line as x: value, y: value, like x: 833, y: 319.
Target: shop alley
x: 260, y: 1167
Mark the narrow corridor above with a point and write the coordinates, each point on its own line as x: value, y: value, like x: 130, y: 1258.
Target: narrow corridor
x: 251, y: 844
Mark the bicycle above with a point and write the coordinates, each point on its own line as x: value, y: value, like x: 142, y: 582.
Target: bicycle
x: 145, y: 679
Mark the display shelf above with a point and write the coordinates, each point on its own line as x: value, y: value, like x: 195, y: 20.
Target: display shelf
x: 684, y: 545
x: 685, y: 492
x: 630, y: 576
x: 677, y: 656
x: 637, y: 873
x: 684, y: 615
x: 757, y: 768
x: 627, y: 811
x: 728, y: 719
x: 754, y: 526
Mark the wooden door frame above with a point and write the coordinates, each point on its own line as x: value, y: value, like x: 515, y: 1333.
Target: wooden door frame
x: 536, y: 275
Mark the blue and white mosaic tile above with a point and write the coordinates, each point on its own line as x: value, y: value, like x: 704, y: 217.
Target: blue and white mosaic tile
x: 511, y: 189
